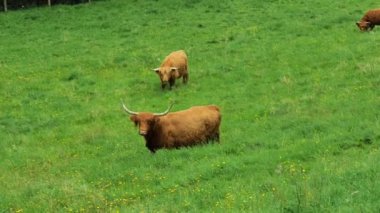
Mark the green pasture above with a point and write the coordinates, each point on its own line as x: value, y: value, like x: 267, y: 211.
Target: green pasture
x: 297, y: 83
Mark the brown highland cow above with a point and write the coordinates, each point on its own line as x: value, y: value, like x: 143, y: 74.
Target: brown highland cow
x: 369, y: 20
x: 174, y: 66
x: 196, y: 125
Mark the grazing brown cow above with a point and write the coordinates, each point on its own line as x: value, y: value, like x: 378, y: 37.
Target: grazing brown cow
x: 196, y: 125
x: 369, y: 20
x: 174, y: 66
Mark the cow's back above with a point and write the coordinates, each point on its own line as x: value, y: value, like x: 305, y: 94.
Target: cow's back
x: 192, y: 126
x: 175, y: 59
x: 372, y: 16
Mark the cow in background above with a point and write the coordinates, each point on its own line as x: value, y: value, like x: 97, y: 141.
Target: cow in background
x: 174, y: 66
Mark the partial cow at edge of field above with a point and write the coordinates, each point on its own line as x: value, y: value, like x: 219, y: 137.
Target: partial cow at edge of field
x: 369, y: 20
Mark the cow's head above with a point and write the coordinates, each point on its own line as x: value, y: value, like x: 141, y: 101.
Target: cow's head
x: 363, y: 25
x: 165, y: 73
x: 145, y: 120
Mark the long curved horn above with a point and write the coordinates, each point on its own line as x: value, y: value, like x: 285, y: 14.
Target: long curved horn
x: 128, y: 110
x: 166, y: 112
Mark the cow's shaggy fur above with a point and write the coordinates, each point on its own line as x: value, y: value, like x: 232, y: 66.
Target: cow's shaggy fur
x: 196, y: 125
x: 174, y: 66
x: 369, y: 20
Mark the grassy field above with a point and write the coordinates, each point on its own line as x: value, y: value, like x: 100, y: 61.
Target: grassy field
x: 297, y: 83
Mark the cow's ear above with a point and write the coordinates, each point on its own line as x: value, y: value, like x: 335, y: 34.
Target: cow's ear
x: 157, y: 70
x: 172, y: 69
x: 134, y: 119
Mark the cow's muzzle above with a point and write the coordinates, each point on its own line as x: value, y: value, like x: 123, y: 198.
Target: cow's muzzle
x: 142, y: 132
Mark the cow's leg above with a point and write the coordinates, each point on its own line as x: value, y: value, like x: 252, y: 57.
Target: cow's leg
x: 152, y: 150
x: 185, y: 78
x: 213, y: 138
x: 216, y: 138
x: 171, y: 83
